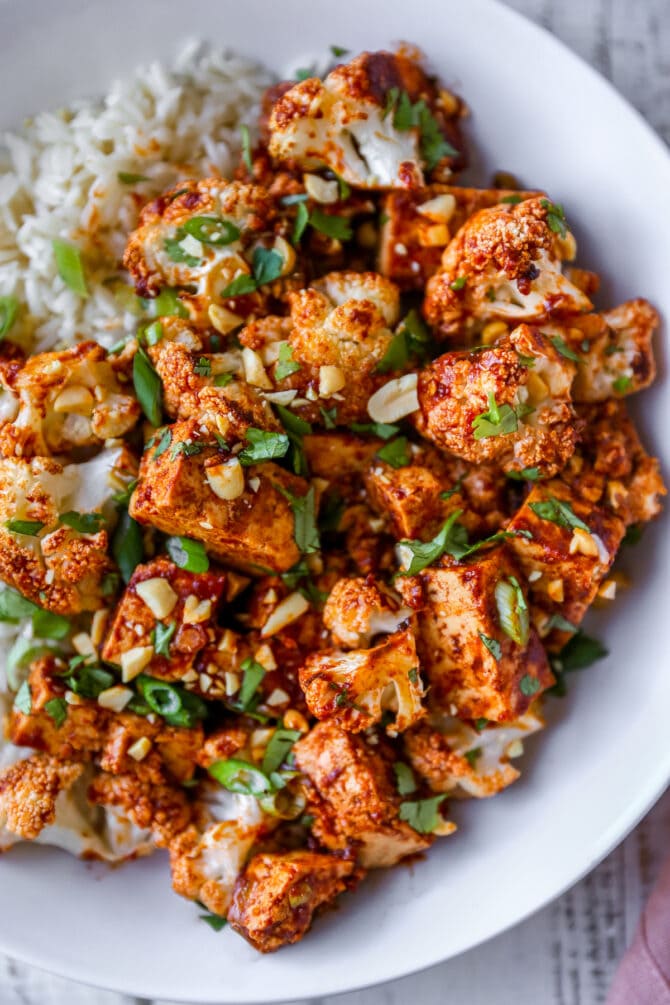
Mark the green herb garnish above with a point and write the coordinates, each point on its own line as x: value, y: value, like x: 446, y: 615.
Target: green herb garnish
x: 148, y: 387
x: 70, y: 267
x: 187, y: 554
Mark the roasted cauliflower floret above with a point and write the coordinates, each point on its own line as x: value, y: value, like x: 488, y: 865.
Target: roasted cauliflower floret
x: 377, y: 122
x: 621, y: 360
x: 419, y: 223
x: 321, y: 361
x: 192, y: 485
x: 162, y: 809
x: 453, y: 757
x: 358, y: 609
x: 29, y: 792
x: 509, y: 403
x: 344, y: 319
x: 354, y: 689
x: 277, y: 895
x: 504, y: 264
x: 59, y: 401
x: 611, y: 467
x: 353, y: 799
x: 565, y: 547
x: 53, y: 541
x: 218, y: 239
x: 165, y: 617
x: 477, y: 650
x: 208, y: 856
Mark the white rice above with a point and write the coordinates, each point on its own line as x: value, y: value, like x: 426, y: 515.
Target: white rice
x: 60, y: 180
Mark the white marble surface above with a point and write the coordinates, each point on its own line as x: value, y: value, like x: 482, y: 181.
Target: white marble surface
x: 566, y: 954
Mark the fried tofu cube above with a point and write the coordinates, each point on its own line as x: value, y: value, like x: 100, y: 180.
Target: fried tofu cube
x: 419, y: 223
x: 179, y: 492
x: 565, y: 547
x: 478, y: 653
x: 278, y: 894
x: 339, y: 456
x: 352, y: 796
x: 81, y: 734
x: 165, y: 617
x: 171, y: 752
x: 354, y: 689
x: 58, y: 401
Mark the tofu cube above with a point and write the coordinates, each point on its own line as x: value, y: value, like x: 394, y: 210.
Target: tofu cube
x: 352, y: 795
x: 277, y: 895
x: 473, y: 667
x: 255, y: 529
x: 564, y: 565
x: 162, y: 598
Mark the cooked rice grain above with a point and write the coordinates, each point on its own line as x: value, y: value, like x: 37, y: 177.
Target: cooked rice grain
x: 60, y: 179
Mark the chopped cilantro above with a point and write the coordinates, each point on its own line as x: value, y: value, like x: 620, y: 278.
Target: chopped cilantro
x: 558, y: 511
x: 492, y: 645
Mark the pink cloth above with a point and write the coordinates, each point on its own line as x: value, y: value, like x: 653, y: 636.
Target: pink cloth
x: 643, y: 977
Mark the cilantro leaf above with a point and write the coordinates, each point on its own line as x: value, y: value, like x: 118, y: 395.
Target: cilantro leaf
x: 422, y: 815
x: 405, y: 780
x: 561, y: 347
x: 555, y: 217
x: 559, y: 512
x: 263, y: 445
x: 305, y: 531
x: 492, y: 645
x: 286, y: 365
x: 499, y: 420
x: 395, y: 453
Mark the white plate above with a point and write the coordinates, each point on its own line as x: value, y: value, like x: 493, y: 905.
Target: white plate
x: 539, y: 112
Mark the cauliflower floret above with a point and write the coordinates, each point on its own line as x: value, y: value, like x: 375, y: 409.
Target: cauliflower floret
x: 359, y: 609
x: 565, y: 546
x: 476, y: 647
x: 206, y: 235
x: 611, y: 466
x: 191, y: 484
x: 504, y: 264
x: 184, y: 605
x: 419, y: 223
x: 54, y: 564
x: 509, y: 403
x: 77, y: 827
x: 344, y: 319
x: 277, y: 895
x: 621, y: 360
x: 208, y: 856
x: 352, y: 796
x: 354, y: 689
x: 29, y: 790
x: 376, y: 121
x: 452, y: 757
x: 162, y: 809
x: 57, y: 401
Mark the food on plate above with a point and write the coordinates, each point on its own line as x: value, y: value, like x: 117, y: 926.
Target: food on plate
x: 312, y: 462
